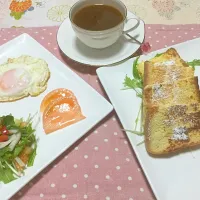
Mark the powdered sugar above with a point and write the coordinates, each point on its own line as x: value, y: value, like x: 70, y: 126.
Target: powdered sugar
x: 158, y: 92
x: 177, y: 92
x: 165, y: 63
x: 179, y: 133
x: 173, y: 74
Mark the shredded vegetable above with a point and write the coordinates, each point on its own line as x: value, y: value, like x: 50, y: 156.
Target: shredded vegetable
x: 18, y: 146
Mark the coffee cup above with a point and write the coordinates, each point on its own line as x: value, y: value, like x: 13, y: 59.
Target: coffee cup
x: 100, y: 39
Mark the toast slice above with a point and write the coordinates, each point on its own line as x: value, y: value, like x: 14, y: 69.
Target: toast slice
x: 180, y: 92
x: 169, y: 129
x: 168, y: 74
x: 170, y: 57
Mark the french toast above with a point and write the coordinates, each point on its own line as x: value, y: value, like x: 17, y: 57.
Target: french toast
x: 179, y: 92
x: 171, y: 128
x: 165, y: 74
x: 170, y: 57
x: 171, y: 104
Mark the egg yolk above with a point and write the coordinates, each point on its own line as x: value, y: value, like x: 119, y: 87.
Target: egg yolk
x: 60, y: 109
x: 14, y: 80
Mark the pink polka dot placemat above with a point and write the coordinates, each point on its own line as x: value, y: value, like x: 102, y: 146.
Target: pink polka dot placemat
x: 102, y: 165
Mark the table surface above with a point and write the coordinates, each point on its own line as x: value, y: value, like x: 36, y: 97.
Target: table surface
x: 102, y: 165
x: 29, y: 13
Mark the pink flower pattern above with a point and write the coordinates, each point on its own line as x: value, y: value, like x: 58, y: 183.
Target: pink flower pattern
x: 165, y: 8
x: 163, y: 5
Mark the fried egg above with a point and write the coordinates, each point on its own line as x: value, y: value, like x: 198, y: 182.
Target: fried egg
x: 23, y: 76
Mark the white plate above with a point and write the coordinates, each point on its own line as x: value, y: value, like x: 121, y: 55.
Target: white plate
x: 76, y: 50
x: 61, y: 76
x: 171, y: 178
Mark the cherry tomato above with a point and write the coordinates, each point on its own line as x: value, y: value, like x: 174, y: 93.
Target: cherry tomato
x: 3, y: 138
x: 4, y: 130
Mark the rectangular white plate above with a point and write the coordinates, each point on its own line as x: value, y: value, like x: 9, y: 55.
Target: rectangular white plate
x: 61, y: 77
x: 171, y: 178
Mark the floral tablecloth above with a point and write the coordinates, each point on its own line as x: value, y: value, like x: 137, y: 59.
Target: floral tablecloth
x: 29, y: 13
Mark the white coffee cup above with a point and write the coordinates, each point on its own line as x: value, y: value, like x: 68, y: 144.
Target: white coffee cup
x: 104, y: 38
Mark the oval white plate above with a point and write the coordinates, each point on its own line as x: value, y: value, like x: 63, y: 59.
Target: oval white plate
x: 72, y: 47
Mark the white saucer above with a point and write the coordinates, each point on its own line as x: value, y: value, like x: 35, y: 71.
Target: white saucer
x: 72, y: 47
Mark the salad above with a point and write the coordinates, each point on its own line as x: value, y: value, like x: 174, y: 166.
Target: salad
x: 18, y: 147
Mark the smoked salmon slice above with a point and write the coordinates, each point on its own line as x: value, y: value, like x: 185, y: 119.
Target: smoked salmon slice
x: 60, y: 109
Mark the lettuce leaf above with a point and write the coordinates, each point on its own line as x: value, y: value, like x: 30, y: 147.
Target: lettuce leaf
x: 6, y: 174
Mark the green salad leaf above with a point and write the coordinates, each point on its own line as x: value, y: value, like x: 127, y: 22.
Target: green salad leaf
x: 6, y: 174
x: 132, y: 83
x: 4, y: 151
x: 136, y: 74
x: 136, y: 82
x: 32, y: 157
x: 158, y: 54
x: 27, y: 139
x: 7, y: 120
x: 194, y: 63
x: 18, y: 149
x: 140, y: 143
x: 136, y: 132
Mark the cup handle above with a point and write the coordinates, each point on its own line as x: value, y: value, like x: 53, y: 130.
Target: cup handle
x: 128, y: 27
